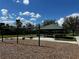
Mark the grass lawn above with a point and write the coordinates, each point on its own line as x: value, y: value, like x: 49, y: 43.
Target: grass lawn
x: 66, y: 39
x: 8, y: 36
x: 29, y: 49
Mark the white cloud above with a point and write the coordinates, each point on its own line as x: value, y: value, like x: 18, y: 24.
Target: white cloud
x: 60, y: 21
x: 18, y: 18
x: 13, y: 14
x: 26, y: 2
x: 4, y: 12
x: 24, y: 21
x: 6, y: 17
x: 25, y: 13
x: 73, y: 15
x: 42, y: 21
x: 10, y: 16
x: 33, y: 19
x: 33, y: 15
x: 30, y: 14
x: 36, y: 16
x: 3, y: 18
x: 10, y: 22
x: 17, y: 1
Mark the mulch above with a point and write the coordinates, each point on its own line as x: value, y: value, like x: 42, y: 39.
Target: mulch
x: 29, y: 49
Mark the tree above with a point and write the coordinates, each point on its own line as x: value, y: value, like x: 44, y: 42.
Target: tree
x: 70, y: 24
x: 18, y: 25
x: 2, y: 26
x: 7, y: 26
x: 48, y: 22
x: 29, y: 27
x: 24, y: 32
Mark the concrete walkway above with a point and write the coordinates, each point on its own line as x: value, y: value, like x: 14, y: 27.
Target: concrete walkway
x: 44, y: 39
x: 53, y: 40
x: 77, y: 38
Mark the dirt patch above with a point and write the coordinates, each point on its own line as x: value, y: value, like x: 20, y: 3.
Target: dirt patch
x: 29, y: 49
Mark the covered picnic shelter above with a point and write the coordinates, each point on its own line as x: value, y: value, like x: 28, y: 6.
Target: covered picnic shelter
x: 51, y: 30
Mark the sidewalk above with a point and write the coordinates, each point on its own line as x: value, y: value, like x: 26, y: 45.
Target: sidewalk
x: 53, y: 40
x: 46, y: 39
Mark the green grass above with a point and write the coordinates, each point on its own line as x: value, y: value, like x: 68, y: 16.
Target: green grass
x: 71, y: 34
x: 63, y: 39
x: 9, y: 36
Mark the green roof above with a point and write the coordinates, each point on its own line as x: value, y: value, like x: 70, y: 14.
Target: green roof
x: 51, y: 26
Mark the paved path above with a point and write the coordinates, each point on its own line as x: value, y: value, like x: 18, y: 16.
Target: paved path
x: 77, y: 38
x: 45, y: 39
x: 53, y: 40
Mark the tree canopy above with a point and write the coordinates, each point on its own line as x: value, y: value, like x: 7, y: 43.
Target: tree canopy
x: 48, y: 22
x: 70, y: 23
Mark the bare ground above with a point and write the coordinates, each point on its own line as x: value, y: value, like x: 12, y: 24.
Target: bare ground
x: 29, y: 49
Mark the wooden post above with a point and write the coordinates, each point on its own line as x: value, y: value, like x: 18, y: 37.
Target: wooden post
x: 17, y: 38
x: 76, y: 27
x: 2, y: 37
x: 39, y: 34
x: 2, y: 34
x: 17, y: 35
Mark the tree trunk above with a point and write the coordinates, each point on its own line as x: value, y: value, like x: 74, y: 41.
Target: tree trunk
x: 17, y: 38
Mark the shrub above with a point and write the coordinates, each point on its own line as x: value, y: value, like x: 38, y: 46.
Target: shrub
x: 64, y: 38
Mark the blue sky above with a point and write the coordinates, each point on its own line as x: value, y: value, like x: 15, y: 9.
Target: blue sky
x: 35, y: 11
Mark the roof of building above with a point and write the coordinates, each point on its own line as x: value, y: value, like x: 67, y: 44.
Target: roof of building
x: 52, y: 26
